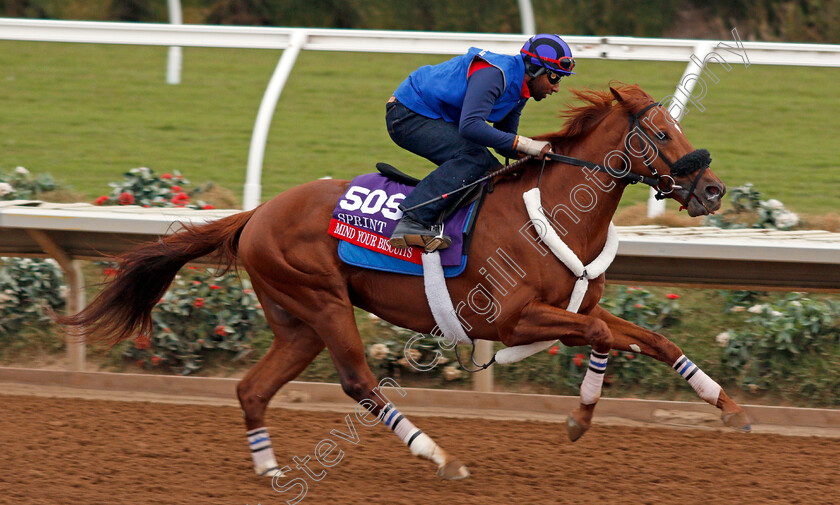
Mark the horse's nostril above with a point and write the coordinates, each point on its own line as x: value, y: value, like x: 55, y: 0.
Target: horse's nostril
x: 712, y: 191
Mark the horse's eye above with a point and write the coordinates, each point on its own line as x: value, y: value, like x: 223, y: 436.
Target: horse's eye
x: 662, y: 136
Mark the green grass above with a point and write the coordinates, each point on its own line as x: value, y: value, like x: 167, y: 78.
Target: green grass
x: 87, y: 113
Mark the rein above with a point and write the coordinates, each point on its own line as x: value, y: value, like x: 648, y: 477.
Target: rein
x: 699, y: 159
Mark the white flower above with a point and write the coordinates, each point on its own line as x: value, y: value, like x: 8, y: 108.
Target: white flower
x: 324, y: 178
x: 774, y: 204
x: 63, y: 291
x: 786, y: 219
x: 378, y: 351
x: 756, y: 309
x: 21, y: 171
x: 6, y: 188
x: 737, y: 308
x: 796, y: 303
x: 451, y: 373
x: 723, y: 338
x: 775, y: 313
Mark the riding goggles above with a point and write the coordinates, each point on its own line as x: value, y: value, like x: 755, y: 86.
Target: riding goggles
x: 565, y: 63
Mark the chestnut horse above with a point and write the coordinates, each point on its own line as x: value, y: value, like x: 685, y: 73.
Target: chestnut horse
x: 308, y: 294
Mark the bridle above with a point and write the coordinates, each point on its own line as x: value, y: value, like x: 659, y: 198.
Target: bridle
x: 697, y: 160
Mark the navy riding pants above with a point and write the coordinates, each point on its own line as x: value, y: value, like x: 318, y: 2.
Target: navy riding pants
x: 459, y: 161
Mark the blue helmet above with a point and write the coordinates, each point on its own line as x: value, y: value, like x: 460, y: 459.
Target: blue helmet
x: 547, y: 52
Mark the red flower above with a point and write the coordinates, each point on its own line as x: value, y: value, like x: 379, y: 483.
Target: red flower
x: 196, y: 283
x: 247, y: 291
x: 142, y: 342
x: 214, y: 287
x: 198, y: 303
x: 578, y: 359
x: 615, y: 353
x: 102, y: 199
x: 554, y: 350
x: 200, y: 341
x: 125, y: 198
x: 166, y: 176
x: 110, y: 271
x: 193, y: 268
x: 156, y: 360
x: 629, y: 356
x: 220, y: 331
x: 176, y: 189
x: 179, y: 177
x: 638, y: 305
x: 208, y: 207
x: 140, y: 363
x: 672, y: 296
x: 166, y: 330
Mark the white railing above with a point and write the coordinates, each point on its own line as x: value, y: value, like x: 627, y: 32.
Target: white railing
x: 693, y: 52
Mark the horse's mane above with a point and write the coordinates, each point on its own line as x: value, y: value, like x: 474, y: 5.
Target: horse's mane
x: 581, y: 119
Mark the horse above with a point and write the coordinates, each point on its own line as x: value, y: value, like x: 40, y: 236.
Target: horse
x: 308, y: 294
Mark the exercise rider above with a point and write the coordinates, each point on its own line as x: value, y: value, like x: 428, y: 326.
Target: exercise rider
x: 441, y: 112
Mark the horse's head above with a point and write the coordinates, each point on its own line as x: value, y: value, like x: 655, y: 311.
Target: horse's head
x: 662, y: 157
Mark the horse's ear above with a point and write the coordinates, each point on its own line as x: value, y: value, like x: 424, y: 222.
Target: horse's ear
x: 616, y: 94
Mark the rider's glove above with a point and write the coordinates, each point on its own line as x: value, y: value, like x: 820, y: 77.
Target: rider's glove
x: 537, y: 148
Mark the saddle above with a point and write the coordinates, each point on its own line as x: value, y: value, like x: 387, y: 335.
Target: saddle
x: 366, y: 214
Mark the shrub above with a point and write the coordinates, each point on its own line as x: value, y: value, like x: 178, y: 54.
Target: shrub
x: 791, y: 347
x: 389, y: 354
x: 143, y: 187
x: 27, y: 288
x: 197, y: 319
x: 20, y: 184
x: 641, y: 307
x: 750, y: 211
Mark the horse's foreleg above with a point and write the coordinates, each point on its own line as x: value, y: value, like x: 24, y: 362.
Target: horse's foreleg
x: 295, y: 346
x: 342, y: 338
x: 542, y: 322
x: 630, y: 337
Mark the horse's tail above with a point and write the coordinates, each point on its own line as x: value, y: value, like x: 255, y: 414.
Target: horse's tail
x: 123, y: 309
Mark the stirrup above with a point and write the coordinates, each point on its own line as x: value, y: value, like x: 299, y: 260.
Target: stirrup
x: 429, y: 239
x: 440, y: 241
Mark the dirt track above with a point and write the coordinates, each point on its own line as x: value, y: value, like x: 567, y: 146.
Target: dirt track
x: 73, y: 451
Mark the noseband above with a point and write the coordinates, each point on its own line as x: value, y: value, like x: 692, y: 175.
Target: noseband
x: 697, y: 160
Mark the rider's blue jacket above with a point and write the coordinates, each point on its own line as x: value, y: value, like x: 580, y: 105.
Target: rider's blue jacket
x: 439, y: 92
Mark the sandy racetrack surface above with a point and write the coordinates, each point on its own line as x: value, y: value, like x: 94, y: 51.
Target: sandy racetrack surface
x: 74, y: 451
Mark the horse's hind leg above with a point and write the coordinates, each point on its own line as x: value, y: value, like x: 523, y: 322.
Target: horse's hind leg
x: 344, y: 343
x: 630, y: 337
x: 295, y: 346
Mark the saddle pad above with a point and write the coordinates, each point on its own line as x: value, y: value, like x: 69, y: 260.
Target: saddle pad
x: 366, y: 215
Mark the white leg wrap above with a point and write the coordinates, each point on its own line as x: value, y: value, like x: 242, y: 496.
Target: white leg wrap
x: 261, y: 451
x: 418, y: 442
x: 705, y: 387
x: 590, y: 389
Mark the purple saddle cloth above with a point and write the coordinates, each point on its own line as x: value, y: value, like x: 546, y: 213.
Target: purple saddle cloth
x: 366, y: 215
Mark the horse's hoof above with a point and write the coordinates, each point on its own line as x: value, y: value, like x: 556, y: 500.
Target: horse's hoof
x: 454, y: 470
x: 738, y: 421
x: 574, y: 429
x: 274, y: 472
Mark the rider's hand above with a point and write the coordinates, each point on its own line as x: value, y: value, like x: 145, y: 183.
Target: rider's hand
x: 538, y: 148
